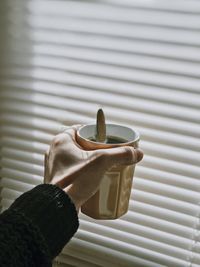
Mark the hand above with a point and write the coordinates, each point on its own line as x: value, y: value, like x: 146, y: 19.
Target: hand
x: 79, y: 172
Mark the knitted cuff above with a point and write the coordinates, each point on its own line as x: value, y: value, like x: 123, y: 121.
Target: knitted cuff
x: 22, y: 244
x: 52, y: 211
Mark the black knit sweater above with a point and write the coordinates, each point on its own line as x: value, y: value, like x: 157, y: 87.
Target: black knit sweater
x: 36, y: 227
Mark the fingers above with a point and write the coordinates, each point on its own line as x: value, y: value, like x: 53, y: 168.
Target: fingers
x: 71, y: 131
x: 64, y: 128
x: 123, y: 155
x: 69, y: 134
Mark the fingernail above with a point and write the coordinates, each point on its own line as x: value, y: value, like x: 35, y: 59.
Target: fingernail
x: 140, y: 154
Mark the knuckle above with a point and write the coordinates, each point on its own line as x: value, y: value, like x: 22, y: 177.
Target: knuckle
x: 58, y: 140
x: 128, y: 151
x: 55, y: 140
x: 129, y: 154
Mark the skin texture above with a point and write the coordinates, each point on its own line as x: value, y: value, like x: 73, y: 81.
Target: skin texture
x: 79, y: 172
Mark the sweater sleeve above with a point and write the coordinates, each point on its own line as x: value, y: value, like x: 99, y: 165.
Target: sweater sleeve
x: 36, y: 227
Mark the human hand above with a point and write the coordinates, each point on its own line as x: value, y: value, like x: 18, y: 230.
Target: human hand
x: 79, y: 172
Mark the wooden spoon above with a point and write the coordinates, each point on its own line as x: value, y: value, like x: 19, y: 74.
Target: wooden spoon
x: 100, y: 127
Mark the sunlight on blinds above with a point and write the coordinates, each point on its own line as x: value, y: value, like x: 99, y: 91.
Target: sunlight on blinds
x: 139, y: 60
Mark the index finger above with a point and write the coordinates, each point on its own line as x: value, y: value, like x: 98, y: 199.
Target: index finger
x: 71, y: 130
x: 126, y: 155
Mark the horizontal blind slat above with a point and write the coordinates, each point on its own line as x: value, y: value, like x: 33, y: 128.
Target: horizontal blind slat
x: 182, y: 98
x: 73, y: 261
x: 133, y: 76
x: 131, y: 250
x: 162, y: 123
x: 140, y: 7
x: 21, y: 176
x: 149, y: 232
x: 117, y: 257
x: 164, y: 201
x: 17, y: 165
x: 49, y: 55
x: 134, y: 239
x: 178, y: 6
x: 151, y: 107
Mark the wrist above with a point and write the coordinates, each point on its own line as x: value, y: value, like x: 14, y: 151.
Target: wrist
x: 77, y: 203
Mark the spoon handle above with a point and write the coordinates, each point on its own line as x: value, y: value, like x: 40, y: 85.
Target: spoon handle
x: 100, y: 127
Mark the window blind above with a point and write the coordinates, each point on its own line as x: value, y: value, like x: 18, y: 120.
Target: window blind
x: 139, y: 60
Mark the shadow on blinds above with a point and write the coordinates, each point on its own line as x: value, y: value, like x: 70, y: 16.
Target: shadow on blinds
x: 140, y: 61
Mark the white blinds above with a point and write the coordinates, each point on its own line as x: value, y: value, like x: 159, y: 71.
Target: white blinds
x: 140, y: 60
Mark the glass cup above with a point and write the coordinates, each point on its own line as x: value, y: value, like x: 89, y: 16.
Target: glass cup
x: 112, y: 199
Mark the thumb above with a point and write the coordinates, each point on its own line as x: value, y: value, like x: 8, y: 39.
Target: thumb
x: 125, y: 155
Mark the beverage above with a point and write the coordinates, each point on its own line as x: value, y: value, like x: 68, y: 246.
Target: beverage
x: 110, y: 140
x: 112, y: 199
